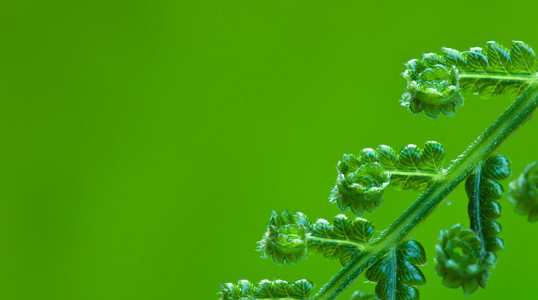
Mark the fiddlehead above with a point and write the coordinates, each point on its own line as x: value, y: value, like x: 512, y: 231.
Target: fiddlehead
x: 266, y: 289
x: 459, y: 261
x: 397, y: 274
x: 432, y: 85
x: 361, y: 188
x: 289, y: 237
x: 523, y: 192
x: 285, y: 239
x: 464, y: 257
x: 435, y: 83
x: 363, y: 178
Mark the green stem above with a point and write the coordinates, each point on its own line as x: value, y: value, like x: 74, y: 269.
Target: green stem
x: 474, y: 209
x: 482, y: 148
x: 332, y: 240
x: 417, y: 173
x: 498, y: 76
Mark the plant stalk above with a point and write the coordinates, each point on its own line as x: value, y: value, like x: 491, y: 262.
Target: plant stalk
x: 482, y: 148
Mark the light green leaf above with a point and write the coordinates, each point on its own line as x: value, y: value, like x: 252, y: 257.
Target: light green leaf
x: 523, y: 58
x: 341, y: 240
x: 363, y: 178
x: 266, y: 289
x: 436, y: 83
x: 290, y: 237
x: 498, y: 58
x: 285, y: 239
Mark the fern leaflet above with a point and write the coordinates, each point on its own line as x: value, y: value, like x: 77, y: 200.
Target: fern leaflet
x: 523, y: 192
x: 290, y: 237
x: 267, y: 289
x: 397, y: 274
x: 471, y: 266
x: 363, y: 178
x: 435, y: 83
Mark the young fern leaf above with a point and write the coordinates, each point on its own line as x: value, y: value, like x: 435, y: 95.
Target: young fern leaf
x: 483, y: 190
x: 285, y: 239
x: 266, y: 289
x: 289, y: 237
x: 363, y: 178
x: 397, y: 274
x: 435, y: 83
x: 342, y: 240
x: 359, y: 186
x: 470, y: 267
x: 523, y: 192
x: 459, y: 259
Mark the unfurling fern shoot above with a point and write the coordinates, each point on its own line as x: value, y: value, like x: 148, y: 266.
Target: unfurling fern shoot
x: 436, y: 83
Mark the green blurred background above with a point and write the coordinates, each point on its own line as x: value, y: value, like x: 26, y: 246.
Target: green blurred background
x: 145, y: 143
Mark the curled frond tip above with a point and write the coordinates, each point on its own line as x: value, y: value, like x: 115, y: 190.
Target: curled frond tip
x: 435, y: 82
x: 459, y: 261
x: 523, y: 192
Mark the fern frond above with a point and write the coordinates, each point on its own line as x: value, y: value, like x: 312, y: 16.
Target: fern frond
x: 359, y: 188
x: 363, y: 178
x: 459, y: 260
x: 480, y: 245
x: 285, y: 239
x: 397, y: 274
x: 358, y: 295
x: 523, y: 192
x: 267, y: 289
x: 435, y: 83
x: 290, y: 237
x: 483, y: 190
x: 341, y: 240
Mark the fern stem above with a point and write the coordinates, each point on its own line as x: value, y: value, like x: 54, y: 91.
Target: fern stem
x: 415, y: 173
x: 331, y: 240
x: 475, y: 216
x: 479, y: 150
x: 499, y: 76
x: 393, y: 280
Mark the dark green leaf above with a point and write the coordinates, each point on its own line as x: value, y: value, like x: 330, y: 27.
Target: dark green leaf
x: 397, y: 274
x: 465, y: 257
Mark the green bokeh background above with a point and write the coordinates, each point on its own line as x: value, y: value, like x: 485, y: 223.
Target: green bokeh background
x: 145, y: 143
